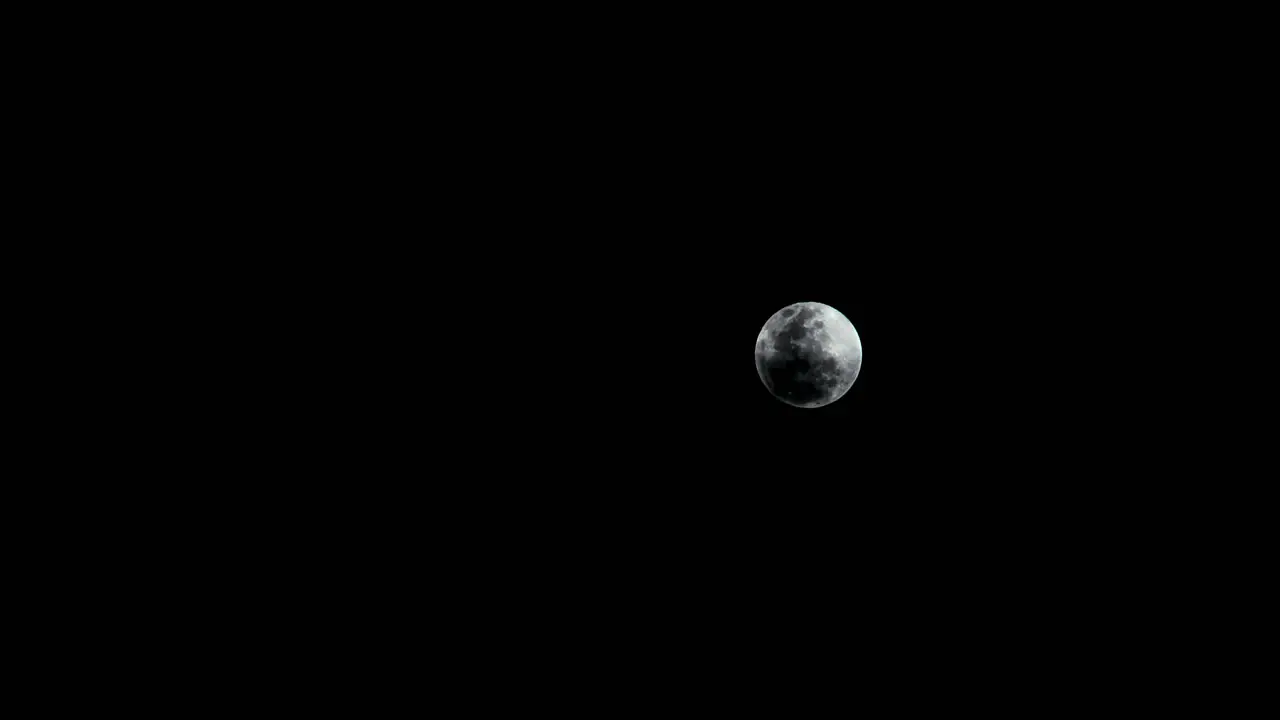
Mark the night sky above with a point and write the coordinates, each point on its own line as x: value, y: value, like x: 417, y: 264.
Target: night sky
x: 531, y: 345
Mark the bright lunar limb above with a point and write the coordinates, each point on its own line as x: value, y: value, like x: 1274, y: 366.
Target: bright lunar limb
x: 808, y: 354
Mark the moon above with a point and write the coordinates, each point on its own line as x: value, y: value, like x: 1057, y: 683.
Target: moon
x: 808, y: 355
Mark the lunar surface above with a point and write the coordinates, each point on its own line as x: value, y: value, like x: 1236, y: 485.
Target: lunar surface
x: 808, y: 354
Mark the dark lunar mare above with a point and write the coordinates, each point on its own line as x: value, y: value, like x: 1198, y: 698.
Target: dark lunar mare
x: 799, y: 371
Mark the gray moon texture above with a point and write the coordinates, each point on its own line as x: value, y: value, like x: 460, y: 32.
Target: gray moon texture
x: 808, y: 355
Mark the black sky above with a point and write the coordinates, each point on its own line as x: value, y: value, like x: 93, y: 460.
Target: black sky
x: 524, y: 323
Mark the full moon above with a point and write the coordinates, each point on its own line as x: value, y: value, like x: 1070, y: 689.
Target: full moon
x: 808, y: 355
